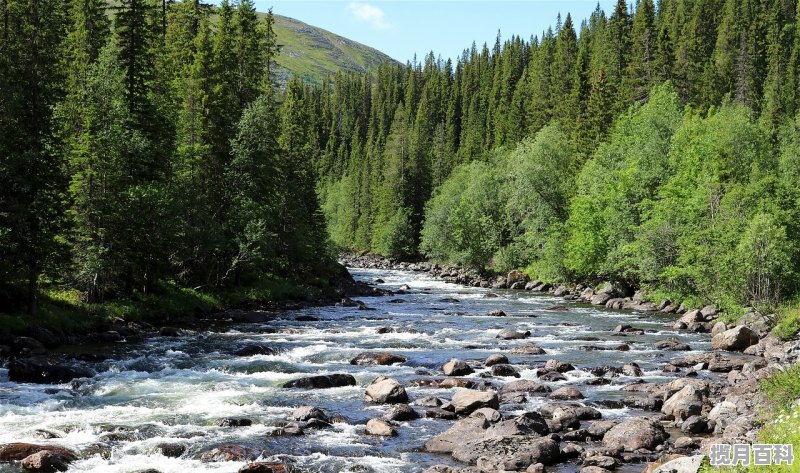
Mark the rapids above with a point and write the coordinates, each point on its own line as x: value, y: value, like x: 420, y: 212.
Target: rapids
x: 177, y: 389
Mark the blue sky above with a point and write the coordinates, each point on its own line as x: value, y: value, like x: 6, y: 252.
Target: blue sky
x: 401, y: 28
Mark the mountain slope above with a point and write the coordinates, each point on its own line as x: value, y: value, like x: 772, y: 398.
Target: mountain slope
x: 311, y: 53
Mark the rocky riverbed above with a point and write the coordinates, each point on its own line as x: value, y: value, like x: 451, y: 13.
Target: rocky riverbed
x: 425, y: 374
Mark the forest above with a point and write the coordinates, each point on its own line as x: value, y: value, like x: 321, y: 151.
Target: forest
x: 144, y: 146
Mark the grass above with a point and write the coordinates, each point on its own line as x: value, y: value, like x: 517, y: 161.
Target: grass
x: 787, y: 321
x: 65, y: 310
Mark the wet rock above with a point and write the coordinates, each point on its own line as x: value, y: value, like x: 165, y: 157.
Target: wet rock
x: 306, y: 318
x: 428, y: 401
x: 322, y: 382
x: 306, y: 413
x: 439, y: 413
x: 171, y: 332
x: 689, y: 318
x: 509, y: 334
x: 527, y: 349
x: 672, y: 345
x: 252, y: 350
x: 495, y: 359
x: 695, y: 425
x: 566, y: 393
x: 593, y: 469
x: 552, y: 376
x: 647, y: 403
x: 45, y: 434
x: 172, y: 450
x: 556, y: 308
x: 632, y: 369
x: 505, y: 370
x: 375, y: 358
x: 634, y: 434
x: 290, y: 429
x: 226, y: 453
x: 599, y: 428
x: 466, y: 401
x: 507, y: 453
x: 684, y: 404
x: 602, y: 461
x: 600, y: 299
x: 383, y: 390
x: 44, y: 372
x: 560, y: 366
x: 235, y: 422
x: 45, y: 462
x: 456, y: 367
x: 529, y: 423
x: 562, y: 419
x: 266, y: 467
x: 735, y: 339
x: 469, y: 428
x: 405, y: 287
x: 380, y: 428
x: 524, y: 386
x: 496, y: 313
x: 492, y: 415
x: 400, y: 413
x: 681, y: 465
x: 11, y: 452
x: 27, y: 346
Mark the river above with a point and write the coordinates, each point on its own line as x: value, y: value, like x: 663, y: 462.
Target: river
x: 177, y: 389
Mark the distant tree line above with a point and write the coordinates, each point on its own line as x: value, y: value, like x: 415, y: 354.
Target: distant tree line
x: 142, y: 144
x: 657, y: 146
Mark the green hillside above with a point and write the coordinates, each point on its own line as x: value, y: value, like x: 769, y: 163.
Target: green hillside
x: 311, y: 53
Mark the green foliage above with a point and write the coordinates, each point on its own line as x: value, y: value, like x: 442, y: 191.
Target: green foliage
x: 782, y: 388
x: 787, y: 322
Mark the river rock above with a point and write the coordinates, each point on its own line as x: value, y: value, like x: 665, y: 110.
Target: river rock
x: 683, y: 404
x: 510, y: 334
x: 529, y: 423
x: 695, y: 424
x: 560, y: 366
x: 566, y: 393
x: 552, y: 376
x: 681, y: 465
x: 735, y: 339
x: 235, y: 422
x: 635, y: 433
x: 171, y: 450
x: 306, y: 413
x: 266, y: 467
x: 527, y: 349
x: 466, y: 401
x: 375, y: 358
x: 593, y: 469
x: 44, y: 372
x: 380, y: 428
x: 383, y: 390
x: 562, y: 419
x: 401, y: 412
x: 226, y: 453
x: 27, y: 346
x: 718, y: 328
x: 469, y: 428
x: 601, y: 461
x: 44, y: 461
x: 496, y: 313
x: 322, y: 382
x: 632, y: 370
x: 505, y: 370
x: 456, y: 367
x: 507, y: 453
x: 672, y: 345
x: 495, y: 359
x: 598, y: 429
x: 11, y: 452
x: 252, y: 350
x: 523, y: 386
x: 689, y: 318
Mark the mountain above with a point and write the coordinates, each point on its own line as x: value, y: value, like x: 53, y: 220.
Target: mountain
x: 311, y: 53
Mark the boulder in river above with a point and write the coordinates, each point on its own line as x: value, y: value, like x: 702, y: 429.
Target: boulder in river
x: 266, y: 467
x: 504, y: 370
x: 44, y: 372
x: 529, y: 423
x: 374, y: 358
x: 511, y: 334
x: 44, y: 461
x: 456, y: 367
x: 560, y: 366
x: 735, y: 339
x: 322, y: 382
x: 401, y: 412
x: 683, y: 404
x: 231, y: 452
x: 524, y: 386
x: 171, y: 450
x: 380, y: 427
x: 566, y: 393
x: 527, y: 349
x: 635, y: 433
x: 466, y: 401
x: 495, y: 359
x: 383, y: 390
x: 469, y: 428
x: 496, y: 313
x: 235, y: 422
x: 306, y: 413
x: 11, y: 452
x: 672, y: 345
x: 252, y: 350
x: 512, y: 453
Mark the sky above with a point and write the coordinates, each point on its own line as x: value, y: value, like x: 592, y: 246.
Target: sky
x: 403, y: 28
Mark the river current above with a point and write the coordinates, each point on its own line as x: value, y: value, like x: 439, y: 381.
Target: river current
x: 177, y: 389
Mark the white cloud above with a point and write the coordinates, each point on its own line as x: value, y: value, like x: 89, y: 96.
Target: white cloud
x: 371, y: 14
